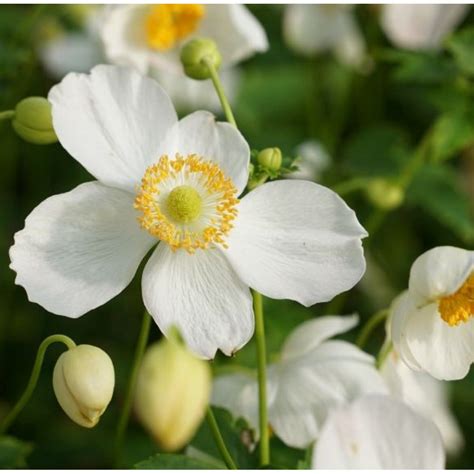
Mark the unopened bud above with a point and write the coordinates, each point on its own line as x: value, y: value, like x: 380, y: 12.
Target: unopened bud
x: 270, y: 158
x: 172, y: 393
x: 83, y: 381
x: 33, y: 121
x: 385, y: 194
x: 194, y: 56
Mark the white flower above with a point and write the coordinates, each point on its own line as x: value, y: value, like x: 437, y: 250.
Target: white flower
x: 176, y: 183
x: 426, y: 395
x: 313, y: 376
x: 421, y: 27
x: 378, y: 432
x: 151, y: 36
x: 431, y: 324
x: 312, y: 160
x: 315, y: 29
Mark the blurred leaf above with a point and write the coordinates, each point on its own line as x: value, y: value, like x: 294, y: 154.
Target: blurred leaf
x: 461, y: 45
x: 437, y: 191
x: 13, y: 452
x: 233, y: 432
x: 284, y: 457
x: 174, y: 461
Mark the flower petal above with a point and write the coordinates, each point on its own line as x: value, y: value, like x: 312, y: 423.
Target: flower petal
x: 237, y: 33
x: 378, y: 432
x: 445, y: 352
x: 310, y: 334
x: 202, y: 296
x: 439, y: 272
x: 113, y: 121
x: 297, y: 240
x: 79, y: 249
x: 219, y: 142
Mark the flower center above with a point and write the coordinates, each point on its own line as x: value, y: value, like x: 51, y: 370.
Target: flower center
x: 184, y: 204
x: 187, y: 202
x: 168, y: 24
x: 458, y: 307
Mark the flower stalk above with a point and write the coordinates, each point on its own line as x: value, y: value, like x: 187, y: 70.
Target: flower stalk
x: 219, y: 440
x: 7, y: 114
x: 35, y: 373
x: 370, y: 325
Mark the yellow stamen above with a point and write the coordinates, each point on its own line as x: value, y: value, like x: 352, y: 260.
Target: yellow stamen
x: 187, y: 216
x: 458, y: 307
x: 168, y: 24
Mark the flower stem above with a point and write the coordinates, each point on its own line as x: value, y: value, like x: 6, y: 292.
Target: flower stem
x: 127, y: 405
x: 220, y: 443
x: 35, y: 373
x: 369, y: 326
x: 220, y: 92
x: 383, y: 353
x: 349, y: 186
x: 262, y: 379
x: 7, y: 114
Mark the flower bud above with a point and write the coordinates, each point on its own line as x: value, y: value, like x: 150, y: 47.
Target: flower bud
x: 33, y: 121
x: 83, y: 381
x: 194, y: 52
x: 270, y: 158
x: 384, y: 194
x: 172, y: 393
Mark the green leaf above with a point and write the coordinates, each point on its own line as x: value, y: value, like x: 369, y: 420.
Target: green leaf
x: 174, y: 461
x: 461, y: 45
x: 437, y: 191
x: 13, y: 452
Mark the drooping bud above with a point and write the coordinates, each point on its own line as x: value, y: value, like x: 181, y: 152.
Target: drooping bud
x: 270, y: 158
x: 83, y: 381
x: 196, y: 53
x: 385, y: 194
x: 172, y: 393
x: 33, y: 121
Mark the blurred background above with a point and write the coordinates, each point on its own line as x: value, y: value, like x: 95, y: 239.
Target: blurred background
x: 357, y: 120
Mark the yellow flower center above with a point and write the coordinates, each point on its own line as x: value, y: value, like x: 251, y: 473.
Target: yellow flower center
x: 168, y: 24
x: 187, y: 202
x: 458, y: 307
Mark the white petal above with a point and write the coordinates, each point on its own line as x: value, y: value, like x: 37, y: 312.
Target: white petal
x: 378, y: 432
x: 79, y: 249
x: 351, y: 49
x: 312, y: 333
x: 297, y: 240
x: 445, y: 352
x: 219, y: 142
x: 70, y: 53
x: 439, y: 272
x: 202, y: 296
x: 237, y: 33
x: 421, y: 26
x: 113, y: 121
x: 309, y: 386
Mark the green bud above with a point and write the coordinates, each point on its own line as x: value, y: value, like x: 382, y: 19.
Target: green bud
x: 270, y: 158
x: 33, y: 121
x: 194, y: 52
x: 385, y: 194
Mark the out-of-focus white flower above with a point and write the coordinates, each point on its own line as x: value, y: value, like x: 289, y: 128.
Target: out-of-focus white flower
x: 421, y: 27
x: 314, y: 29
x: 432, y: 325
x: 378, y: 432
x: 151, y: 36
x: 313, y: 376
x: 312, y: 160
x: 175, y: 185
x: 426, y: 395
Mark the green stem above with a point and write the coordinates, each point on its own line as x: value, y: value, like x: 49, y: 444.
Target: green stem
x: 127, y: 405
x: 220, y: 443
x: 35, y: 373
x: 369, y: 326
x: 349, y: 186
x: 7, y: 114
x: 262, y: 379
x: 383, y: 353
x: 220, y: 92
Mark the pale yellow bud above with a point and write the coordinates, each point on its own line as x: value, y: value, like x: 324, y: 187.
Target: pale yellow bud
x: 270, y: 158
x: 385, y: 194
x: 193, y: 56
x: 83, y: 381
x: 172, y: 393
